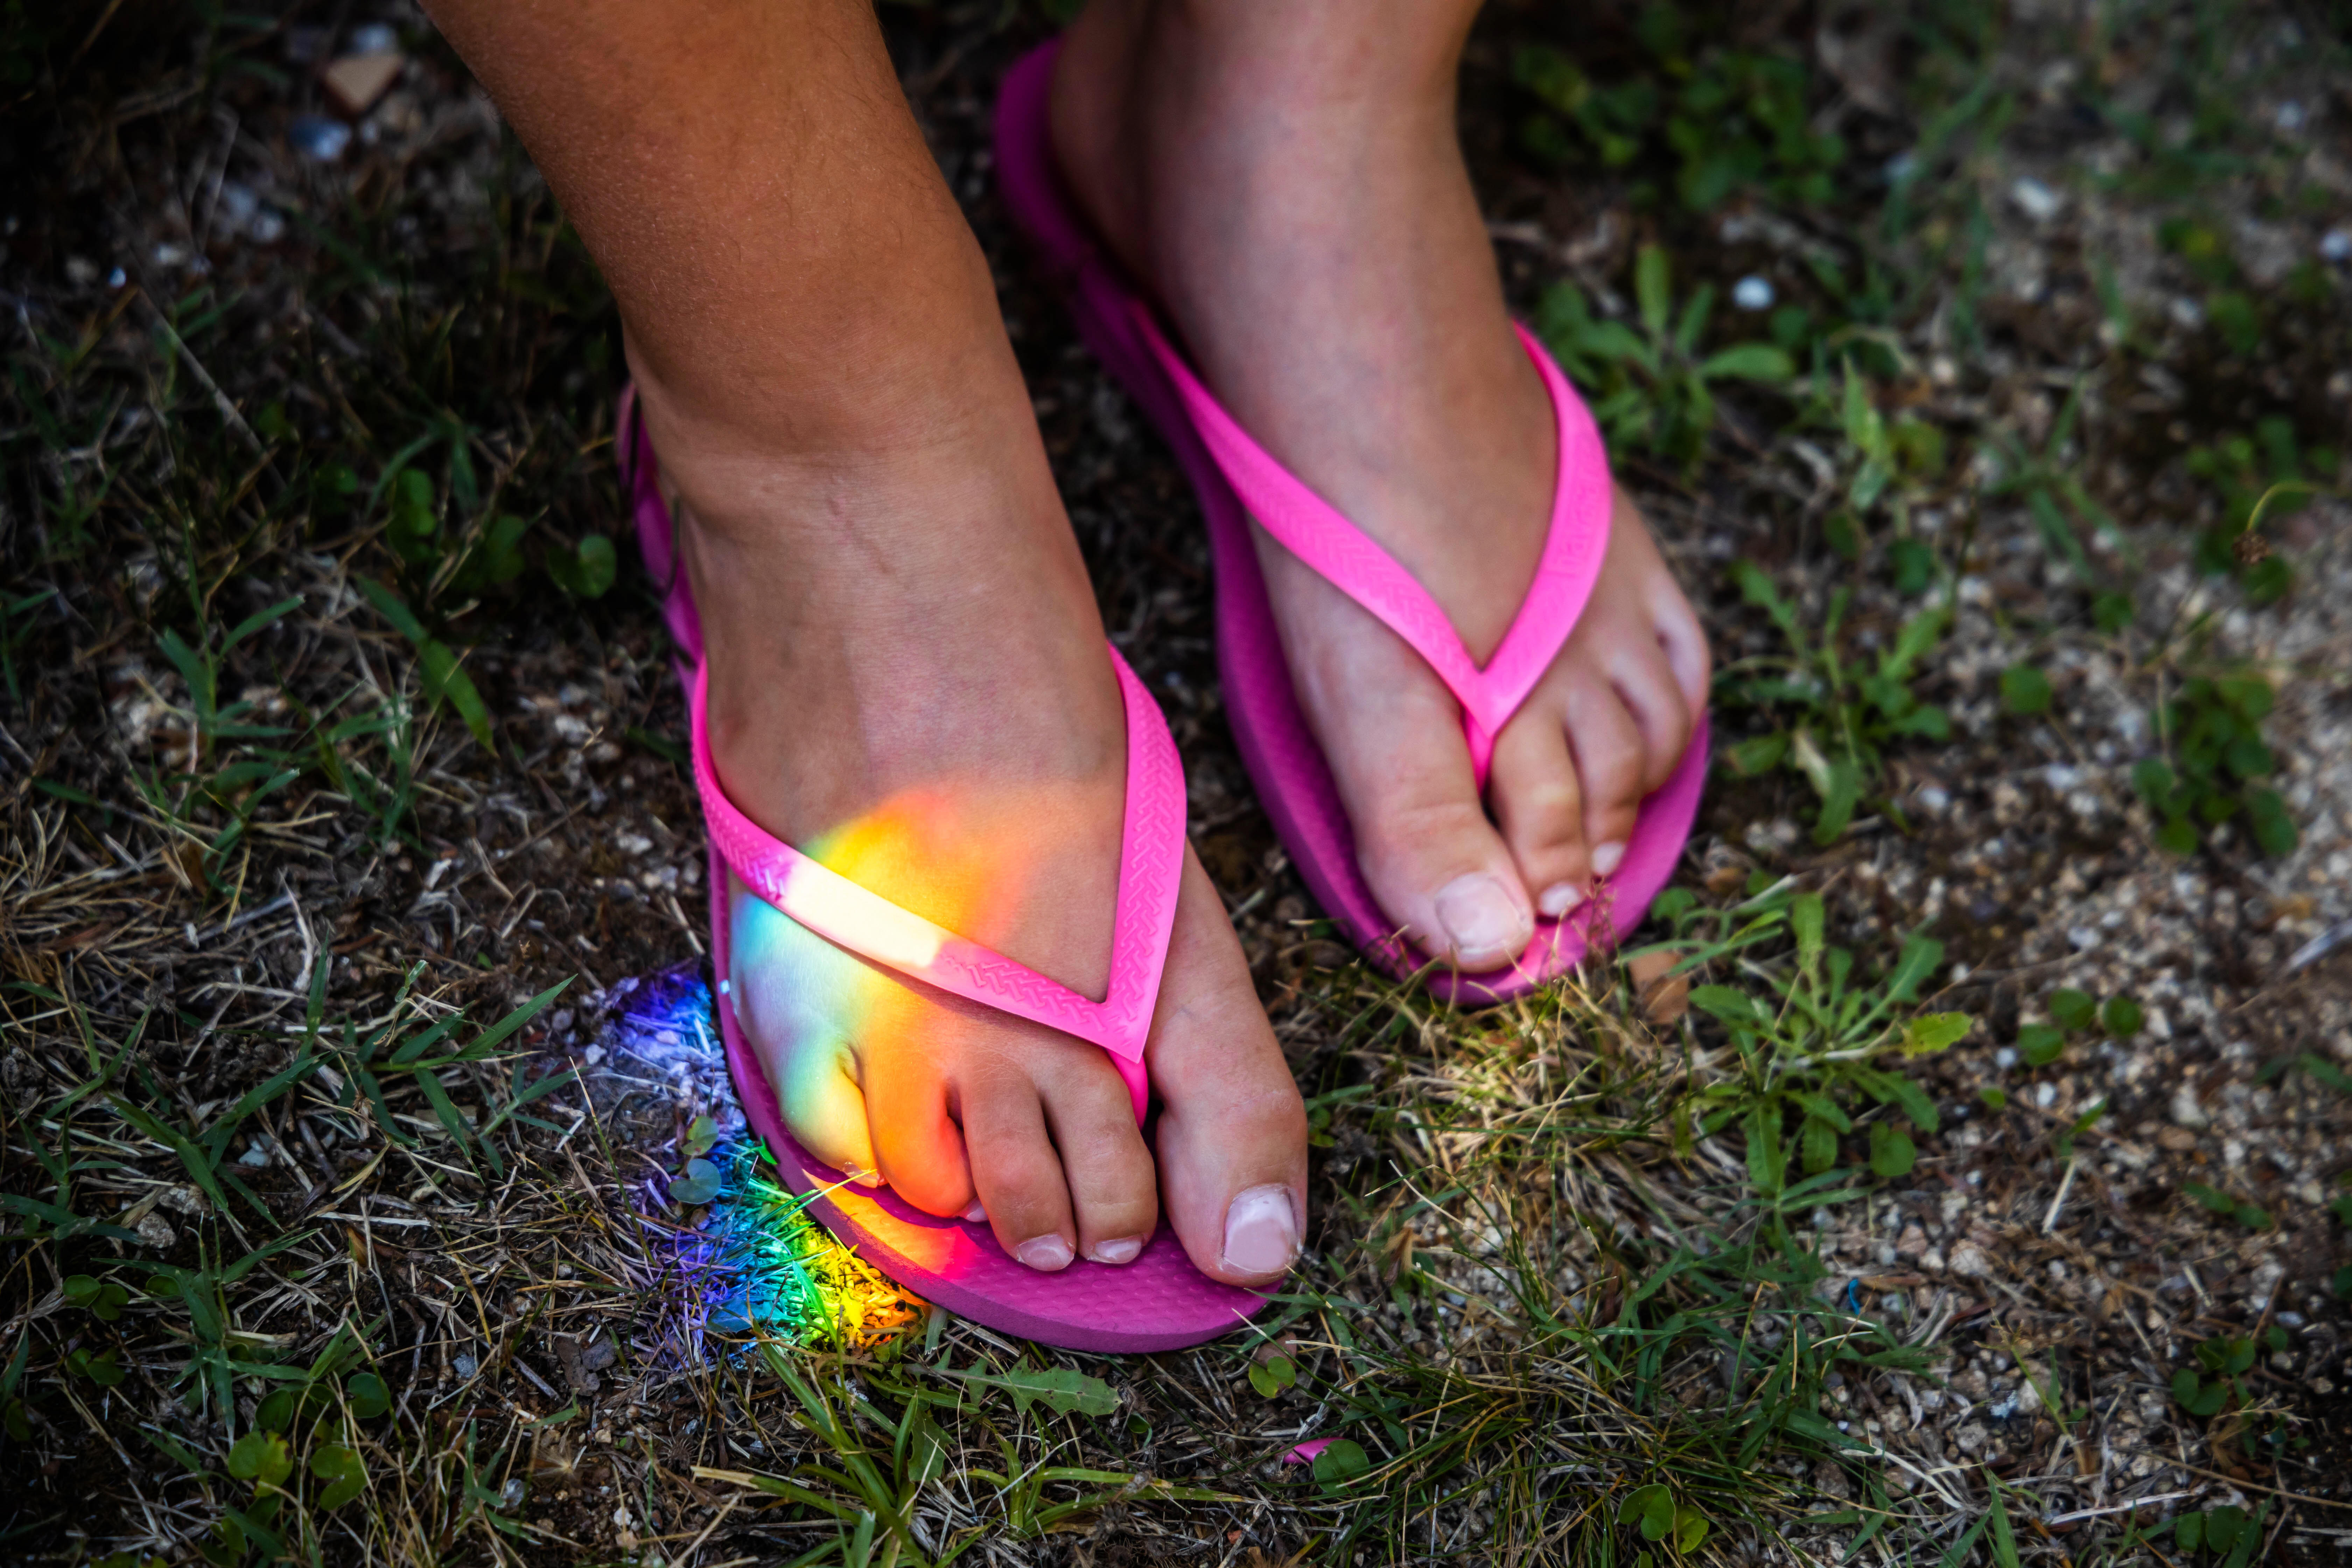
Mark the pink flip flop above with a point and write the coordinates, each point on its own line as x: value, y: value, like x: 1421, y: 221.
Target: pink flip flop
x: 1157, y: 1302
x: 1237, y: 481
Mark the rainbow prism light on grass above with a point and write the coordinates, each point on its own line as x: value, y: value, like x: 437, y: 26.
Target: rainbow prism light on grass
x: 1156, y: 1301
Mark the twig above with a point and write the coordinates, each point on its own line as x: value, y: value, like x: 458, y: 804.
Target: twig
x: 2049, y: 1220
x: 228, y: 413
x: 2126, y: 1507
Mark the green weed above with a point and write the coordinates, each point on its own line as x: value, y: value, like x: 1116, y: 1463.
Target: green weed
x: 1833, y: 717
x: 1730, y: 119
x: 2216, y: 1383
x: 2211, y: 760
x: 1809, y: 1060
x: 2258, y: 477
x: 1653, y: 386
x: 2228, y: 1532
x: 2074, y: 1012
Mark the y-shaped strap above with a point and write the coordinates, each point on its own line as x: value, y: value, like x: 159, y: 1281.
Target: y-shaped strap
x: 1313, y: 530
x: 1151, y: 864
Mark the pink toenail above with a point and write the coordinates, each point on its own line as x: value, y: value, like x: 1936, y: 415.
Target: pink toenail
x: 1261, y: 1232
x: 1123, y: 1250
x: 1483, y: 924
x: 1047, y: 1254
x: 975, y: 1214
x: 1559, y: 898
x: 1607, y: 858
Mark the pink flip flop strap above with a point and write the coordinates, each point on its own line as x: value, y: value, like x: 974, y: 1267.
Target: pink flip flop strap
x: 1151, y: 863
x: 1313, y: 530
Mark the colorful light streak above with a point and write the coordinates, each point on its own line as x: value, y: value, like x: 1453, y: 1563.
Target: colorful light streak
x: 759, y: 1264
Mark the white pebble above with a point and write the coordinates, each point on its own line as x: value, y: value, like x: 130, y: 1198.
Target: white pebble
x: 2036, y: 200
x: 1752, y: 293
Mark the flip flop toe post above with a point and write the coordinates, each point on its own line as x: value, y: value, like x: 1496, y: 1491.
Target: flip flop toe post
x: 1238, y: 482
x: 1157, y: 1301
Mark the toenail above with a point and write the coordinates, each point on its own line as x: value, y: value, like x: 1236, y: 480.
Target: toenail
x: 1480, y: 918
x: 1559, y: 898
x: 1123, y: 1250
x: 1261, y: 1232
x: 862, y: 1177
x: 1046, y: 1254
x: 1607, y: 858
x: 977, y: 1215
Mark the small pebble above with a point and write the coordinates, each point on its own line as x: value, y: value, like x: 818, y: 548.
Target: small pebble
x: 2336, y: 244
x: 318, y: 138
x: 2290, y: 117
x: 464, y: 1365
x: 2005, y: 1058
x: 2036, y: 200
x: 116, y: 279
x: 373, y: 38
x: 1752, y: 293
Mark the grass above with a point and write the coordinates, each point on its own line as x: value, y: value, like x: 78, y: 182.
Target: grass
x: 303, y: 1263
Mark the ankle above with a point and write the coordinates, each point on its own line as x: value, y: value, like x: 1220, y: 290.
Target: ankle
x: 1401, y: 56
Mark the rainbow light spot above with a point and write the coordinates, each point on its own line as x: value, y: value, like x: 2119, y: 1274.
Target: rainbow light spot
x: 758, y: 1263
x: 833, y: 903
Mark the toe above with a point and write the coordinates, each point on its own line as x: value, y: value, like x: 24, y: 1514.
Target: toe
x: 1646, y: 684
x: 1112, y: 1184
x: 1014, y: 1168
x: 1433, y: 860
x: 1232, y: 1132
x: 1609, y: 762
x: 802, y: 1002
x: 1540, y: 804
x: 918, y: 1146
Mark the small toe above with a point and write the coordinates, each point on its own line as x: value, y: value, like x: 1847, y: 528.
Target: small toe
x: 1114, y: 1190
x: 1646, y: 685
x: 1607, y: 745
x: 1536, y: 796
x: 1016, y: 1171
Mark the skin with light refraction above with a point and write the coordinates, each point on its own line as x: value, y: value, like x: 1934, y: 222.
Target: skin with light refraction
x: 907, y: 672
x: 1286, y: 180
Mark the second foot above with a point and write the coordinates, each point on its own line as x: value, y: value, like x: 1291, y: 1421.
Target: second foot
x: 1288, y: 182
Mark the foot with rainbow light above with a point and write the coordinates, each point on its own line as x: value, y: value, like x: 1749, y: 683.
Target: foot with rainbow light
x: 959, y: 934
x: 1285, y: 208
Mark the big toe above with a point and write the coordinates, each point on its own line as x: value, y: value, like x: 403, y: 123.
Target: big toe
x: 1434, y: 861
x: 1232, y: 1130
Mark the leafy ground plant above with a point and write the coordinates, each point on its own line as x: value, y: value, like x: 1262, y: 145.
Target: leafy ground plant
x: 1655, y: 385
x: 2211, y: 766
x: 1809, y: 1061
x: 1833, y: 716
x: 1729, y: 119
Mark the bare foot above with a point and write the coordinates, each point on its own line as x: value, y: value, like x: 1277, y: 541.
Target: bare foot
x: 910, y: 682
x: 1288, y: 181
